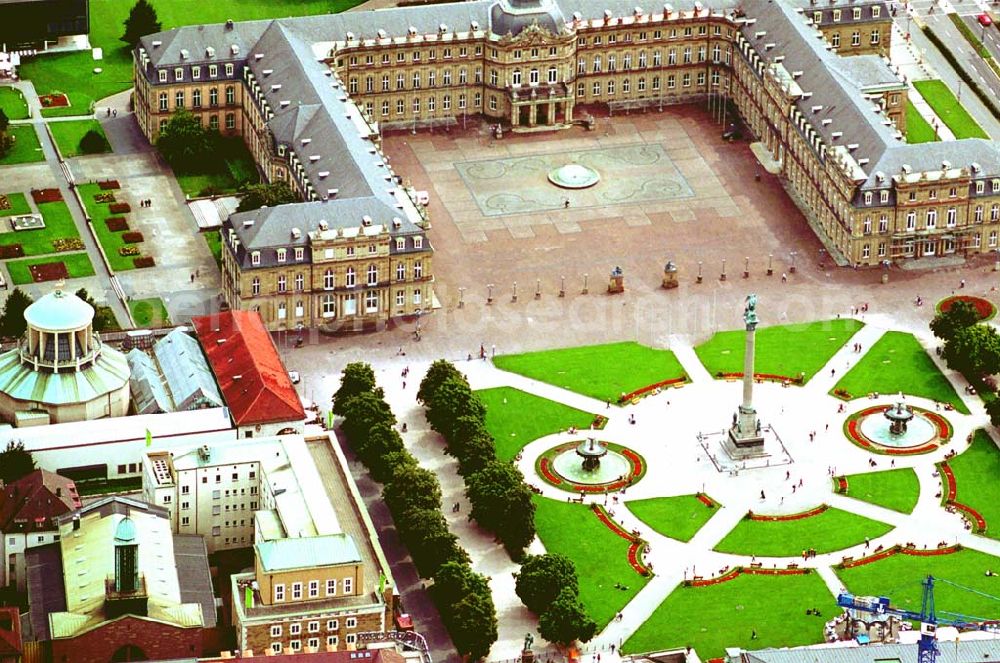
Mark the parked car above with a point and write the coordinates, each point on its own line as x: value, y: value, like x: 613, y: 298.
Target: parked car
x: 984, y: 20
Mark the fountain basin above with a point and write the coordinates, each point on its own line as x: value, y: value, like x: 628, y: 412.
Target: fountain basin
x: 872, y: 429
x: 574, y: 176
x: 605, y: 467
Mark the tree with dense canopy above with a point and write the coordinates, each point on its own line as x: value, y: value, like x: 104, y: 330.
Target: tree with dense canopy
x: 141, y: 21
x: 12, y: 322
x: 256, y: 196
x: 15, y: 462
x: 542, y: 578
x: 961, y: 315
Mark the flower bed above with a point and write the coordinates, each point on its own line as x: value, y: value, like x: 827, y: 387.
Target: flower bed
x: 770, y: 377
x: 852, y: 429
x: 120, y: 208
x: 547, y: 474
x: 116, y: 223
x: 649, y: 389
x: 736, y: 572
x: 930, y: 552
x: 4, y: 202
x: 109, y: 185
x: 104, y: 197
x: 948, y: 494
x: 791, y: 516
x: 133, y: 237
x: 46, y: 195
x: 984, y: 308
x: 841, y: 484
x: 609, y: 522
x: 68, y: 244
x: 950, y: 487
x: 144, y: 261
x: 57, y: 100
x: 868, y: 559
x: 898, y: 550
x: 11, y: 251
x: 48, y: 271
x: 600, y: 421
x: 731, y: 574
x: 635, y: 558
x: 707, y: 501
x: 128, y: 250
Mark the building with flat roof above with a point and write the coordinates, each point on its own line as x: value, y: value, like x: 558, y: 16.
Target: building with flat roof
x: 28, y: 511
x: 36, y: 23
x: 60, y: 370
x: 119, y: 585
x: 968, y: 648
x: 254, y: 381
x: 320, y: 578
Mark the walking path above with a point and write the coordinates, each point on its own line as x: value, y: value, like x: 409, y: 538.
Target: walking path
x: 679, y: 466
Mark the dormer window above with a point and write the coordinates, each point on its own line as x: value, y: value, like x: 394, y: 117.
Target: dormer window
x: 817, y: 17
x: 195, y: 73
x: 868, y: 197
x: 179, y: 74
x: 163, y: 75
x: 400, y: 243
x: 255, y: 258
x: 884, y: 196
x: 281, y: 150
x: 418, y: 242
x: 876, y: 11
x: 300, y: 253
x: 836, y: 15
x: 996, y: 186
x: 213, y: 70
x: 282, y: 253
x: 229, y: 69
x: 857, y: 13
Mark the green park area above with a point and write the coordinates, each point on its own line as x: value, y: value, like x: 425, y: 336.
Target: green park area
x: 214, y: 241
x: 678, y: 517
x: 514, y: 418
x: 150, y: 312
x: 111, y: 240
x: 893, y: 489
x: 12, y: 103
x: 918, y: 130
x: 730, y: 614
x: 16, y: 203
x: 600, y: 556
x: 69, y: 134
x: 949, y: 109
x: 832, y: 529
x: 26, y: 148
x: 59, y: 231
x: 897, y: 363
x: 900, y: 576
x: 77, y: 265
x: 603, y: 372
x: 785, y: 350
x: 73, y: 73
x: 976, y: 472
x: 233, y: 167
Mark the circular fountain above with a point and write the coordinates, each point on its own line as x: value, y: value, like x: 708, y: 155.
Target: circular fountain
x: 590, y: 465
x: 574, y: 176
x: 898, y: 426
x: 591, y: 452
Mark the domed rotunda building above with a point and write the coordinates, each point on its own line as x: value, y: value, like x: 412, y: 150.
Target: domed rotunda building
x: 60, y: 370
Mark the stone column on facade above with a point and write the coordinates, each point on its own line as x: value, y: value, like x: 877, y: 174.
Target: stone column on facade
x: 551, y: 119
x: 532, y: 115
x: 515, y: 115
x: 569, y: 112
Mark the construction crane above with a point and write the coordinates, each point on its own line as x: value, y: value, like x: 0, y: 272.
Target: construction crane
x: 927, y: 650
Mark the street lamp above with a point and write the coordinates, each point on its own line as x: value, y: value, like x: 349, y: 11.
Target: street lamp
x: 513, y: 297
x: 723, y: 276
x: 585, y: 290
x: 746, y: 267
x: 792, y: 255
x: 770, y: 259
x: 562, y: 286
x: 538, y: 288
x: 461, y: 297
x: 489, y: 295
x: 699, y: 272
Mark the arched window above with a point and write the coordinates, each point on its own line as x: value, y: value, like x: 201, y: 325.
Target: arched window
x: 516, y: 77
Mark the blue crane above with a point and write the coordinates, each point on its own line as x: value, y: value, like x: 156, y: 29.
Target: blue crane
x: 927, y: 646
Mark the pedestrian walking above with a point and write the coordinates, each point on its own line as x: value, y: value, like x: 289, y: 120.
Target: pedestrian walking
x: 784, y: 277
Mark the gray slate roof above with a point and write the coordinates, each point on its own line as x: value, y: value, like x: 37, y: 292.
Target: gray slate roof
x: 194, y: 576
x: 867, y: 71
x: 968, y: 651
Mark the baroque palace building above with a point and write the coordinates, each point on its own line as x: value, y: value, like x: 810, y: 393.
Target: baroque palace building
x: 310, y: 97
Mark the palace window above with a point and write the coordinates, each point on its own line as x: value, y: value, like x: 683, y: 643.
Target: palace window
x: 371, y: 306
x: 351, y: 277
x: 329, y: 309
x: 300, y: 283
x: 255, y: 286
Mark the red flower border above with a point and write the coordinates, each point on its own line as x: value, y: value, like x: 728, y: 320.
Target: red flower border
x: 791, y: 516
x: 648, y: 389
x: 707, y: 501
x: 736, y: 572
x: 949, y: 495
x: 850, y: 563
x: 770, y: 377
x: 636, y: 544
x: 985, y: 310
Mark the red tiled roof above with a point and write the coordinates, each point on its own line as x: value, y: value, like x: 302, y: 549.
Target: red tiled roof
x: 32, y: 502
x: 248, y: 369
x: 10, y: 638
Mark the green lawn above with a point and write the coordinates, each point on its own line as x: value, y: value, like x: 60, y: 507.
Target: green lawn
x: 214, y: 241
x: 678, y: 517
x: 600, y: 371
x: 976, y: 473
x: 948, y: 108
x: 13, y: 104
x: 72, y: 73
x: 601, y: 557
x: 58, y: 225
x: 150, y: 312
x: 18, y: 205
x: 894, y: 489
x: 918, y: 130
x: 26, y: 147
x: 514, y: 418
x: 712, y: 618
x: 898, y: 363
x: 111, y: 241
x: 233, y: 168
x: 78, y: 265
x: 68, y: 134
x: 783, y: 350
x: 899, y: 578
x: 829, y: 531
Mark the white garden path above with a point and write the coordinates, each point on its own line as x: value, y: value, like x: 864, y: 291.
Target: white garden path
x: 665, y: 434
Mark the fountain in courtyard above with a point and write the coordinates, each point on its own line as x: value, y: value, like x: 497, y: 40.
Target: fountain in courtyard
x: 574, y: 176
x: 899, y: 426
x: 600, y: 464
x: 898, y: 416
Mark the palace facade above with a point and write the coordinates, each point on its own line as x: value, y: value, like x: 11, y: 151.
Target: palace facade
x: 310, y: 96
